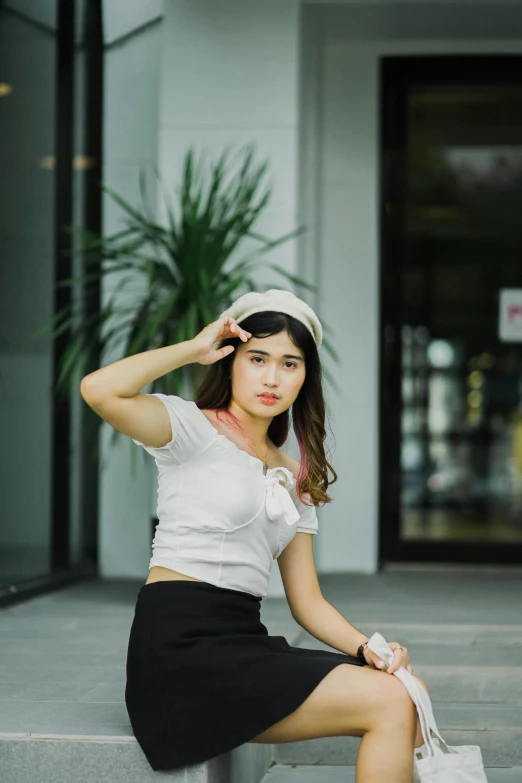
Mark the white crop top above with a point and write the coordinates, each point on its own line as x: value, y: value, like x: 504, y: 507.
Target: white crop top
x: 221, y: 519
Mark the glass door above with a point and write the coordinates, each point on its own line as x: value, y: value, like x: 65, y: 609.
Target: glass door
x: 50, y: 153
x: 451, y: 241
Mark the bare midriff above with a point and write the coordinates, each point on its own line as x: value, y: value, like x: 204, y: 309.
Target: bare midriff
x: 160, y: 574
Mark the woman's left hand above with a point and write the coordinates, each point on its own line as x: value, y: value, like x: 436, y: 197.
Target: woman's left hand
x: 400, y: 658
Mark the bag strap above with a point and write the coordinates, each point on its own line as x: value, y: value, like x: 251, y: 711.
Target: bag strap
x: 377, y: 643
x: 421, y: 712
x: 415, y: 691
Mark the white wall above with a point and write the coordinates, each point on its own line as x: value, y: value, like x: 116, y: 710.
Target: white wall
x: 229, y: 76
x: 127, y: 493
x: 239, y: 71
x: 340, y: 136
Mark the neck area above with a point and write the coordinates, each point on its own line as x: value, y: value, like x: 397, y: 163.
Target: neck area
x: 254, y: 428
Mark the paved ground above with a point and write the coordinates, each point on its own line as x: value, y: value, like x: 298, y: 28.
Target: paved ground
x: 315, y: 774
x: 62, y: 667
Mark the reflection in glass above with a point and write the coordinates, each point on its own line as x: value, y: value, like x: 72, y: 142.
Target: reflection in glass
x: 27, y: 65
x: 461, y: 450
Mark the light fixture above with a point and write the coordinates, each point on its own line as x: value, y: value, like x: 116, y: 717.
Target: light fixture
x: 5, y: 89
x: 475, y: 399
x: 441, y: 354
x: 47, y: 162
x: 476, y: 379
x: 81, y: 162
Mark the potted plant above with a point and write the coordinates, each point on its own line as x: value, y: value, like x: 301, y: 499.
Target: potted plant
x: 185, y: 267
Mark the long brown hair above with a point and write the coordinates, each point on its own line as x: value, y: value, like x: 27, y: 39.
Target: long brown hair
x: 308, y: 409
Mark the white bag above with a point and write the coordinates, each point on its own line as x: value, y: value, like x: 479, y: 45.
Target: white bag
x: 435, y: 761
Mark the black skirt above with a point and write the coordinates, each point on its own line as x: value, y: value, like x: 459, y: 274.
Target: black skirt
x: 204, y: 676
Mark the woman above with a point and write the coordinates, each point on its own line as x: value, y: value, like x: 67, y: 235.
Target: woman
x: 203, y: 674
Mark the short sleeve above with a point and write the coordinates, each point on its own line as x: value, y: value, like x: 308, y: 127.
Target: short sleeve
x: 307, y: 522
x: 190, y: 433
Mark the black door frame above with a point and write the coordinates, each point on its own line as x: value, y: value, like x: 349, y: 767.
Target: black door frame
x: 62, y: 571
x: 63, y: 216
x: 396, y: 75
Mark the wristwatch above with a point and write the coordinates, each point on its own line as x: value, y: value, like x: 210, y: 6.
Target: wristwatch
x: 360, y: 651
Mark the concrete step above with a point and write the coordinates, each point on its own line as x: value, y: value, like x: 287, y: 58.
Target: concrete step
x: 500, y: 746
x: 280, y: 773
x: 493, y: 685
x: 17, y: 655
x: 470, y: 671
x: 456, y: 650
x: 62, y: 672
x: 435, y: 654
x: 27, y: 758
x: 451, y: 634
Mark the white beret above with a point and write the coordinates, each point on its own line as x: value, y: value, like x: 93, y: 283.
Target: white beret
x: 280, y: 300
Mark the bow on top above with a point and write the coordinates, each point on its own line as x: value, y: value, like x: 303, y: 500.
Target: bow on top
x: 278, y: 500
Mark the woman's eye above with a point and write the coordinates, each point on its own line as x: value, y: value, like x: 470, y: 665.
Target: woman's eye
x: 292, y: 364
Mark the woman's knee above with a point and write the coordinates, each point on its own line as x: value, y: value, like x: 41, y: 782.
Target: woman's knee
x: 399, y: 700
x: 389, y: 702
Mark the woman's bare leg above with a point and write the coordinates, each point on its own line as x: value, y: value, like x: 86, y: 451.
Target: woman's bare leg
x: 373, y: 760
x: 363, y: 702
x: 386, y: 749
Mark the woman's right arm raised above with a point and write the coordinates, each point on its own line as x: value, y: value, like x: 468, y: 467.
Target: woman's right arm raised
x: 113, y: 392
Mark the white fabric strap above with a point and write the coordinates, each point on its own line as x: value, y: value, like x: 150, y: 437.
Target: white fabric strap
x: 378, y: 644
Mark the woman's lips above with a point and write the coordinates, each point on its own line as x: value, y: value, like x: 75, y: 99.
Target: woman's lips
x: 267, y: 400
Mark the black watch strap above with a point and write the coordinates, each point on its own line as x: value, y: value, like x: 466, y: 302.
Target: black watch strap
x: 360, y: 651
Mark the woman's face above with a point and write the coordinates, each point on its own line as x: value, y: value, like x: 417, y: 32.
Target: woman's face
x: 268, y: 364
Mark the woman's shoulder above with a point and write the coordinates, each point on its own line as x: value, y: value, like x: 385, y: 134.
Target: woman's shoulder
x: 190, y: 432
x: 307, y: 509
x: 289, y: 462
